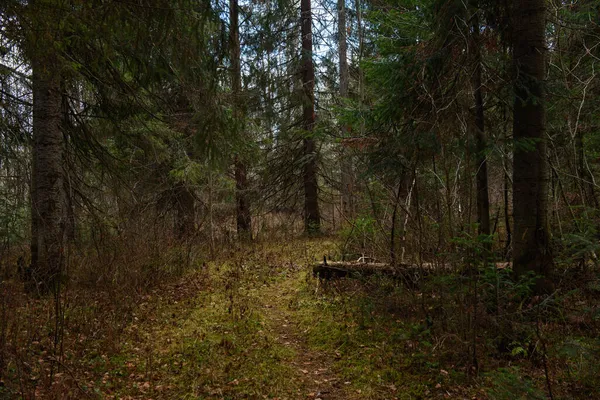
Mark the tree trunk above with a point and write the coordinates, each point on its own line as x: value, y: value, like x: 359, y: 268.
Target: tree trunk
x: 346, y: 160
x: 399, y: 193
x: 186, y: 212
x: 68, y: 169
x: 243, y: 217
x: 360, y: 33
x: 312, y: 218
x: 531, y: 251
x: 481, y: 176
x: 508, y: 246
x: 48, y: 217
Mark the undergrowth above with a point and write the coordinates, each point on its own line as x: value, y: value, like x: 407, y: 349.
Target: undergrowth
x: 390, y: 341
x: 212, y: 334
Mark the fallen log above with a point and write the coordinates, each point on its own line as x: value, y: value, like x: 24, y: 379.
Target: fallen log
x: 344, y: 269
x: 412, y: 273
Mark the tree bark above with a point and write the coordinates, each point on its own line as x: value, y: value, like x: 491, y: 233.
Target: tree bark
x: 67, y: 180
x: 346, y: 160
x: 312, y: 218
x: 531, y: 250
x: 360, y: 34
x: 481, y: 176
x: 186, y: 212
x: 243, y: 217
x: 48, y: 219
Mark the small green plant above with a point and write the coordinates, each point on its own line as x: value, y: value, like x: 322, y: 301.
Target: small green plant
x: 580, y: 356
x: 510, y: 383
x: 580, y: 243
x: 359, y: 236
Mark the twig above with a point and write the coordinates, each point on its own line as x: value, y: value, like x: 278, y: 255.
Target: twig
x: 55, y: 360
x: 544, y: 357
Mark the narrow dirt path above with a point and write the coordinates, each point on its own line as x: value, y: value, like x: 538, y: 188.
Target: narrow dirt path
x: 314, y: 368
x: 237, y: 330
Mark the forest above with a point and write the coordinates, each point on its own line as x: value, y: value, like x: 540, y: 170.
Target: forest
x: 281, y: 199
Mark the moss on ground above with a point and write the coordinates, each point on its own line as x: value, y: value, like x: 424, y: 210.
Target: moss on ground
x: 255, y: 324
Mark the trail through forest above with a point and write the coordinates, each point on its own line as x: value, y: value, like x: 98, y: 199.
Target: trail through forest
x: 255, y: 324
x: 313, y: 368
x: 170, y: 171
x: 230, y: 330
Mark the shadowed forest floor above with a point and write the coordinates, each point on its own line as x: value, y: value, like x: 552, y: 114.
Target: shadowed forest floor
x: 234, y: 329
x: 255, y: 324
x: 258, y: 325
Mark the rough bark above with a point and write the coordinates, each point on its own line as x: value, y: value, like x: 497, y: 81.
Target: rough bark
x: 312, y: 218
x: 347, y: 180
x: 47, y: 191
x: 481, y: 176
x: 243, y: 216
x: 531, y: 251
x: 67, y: 180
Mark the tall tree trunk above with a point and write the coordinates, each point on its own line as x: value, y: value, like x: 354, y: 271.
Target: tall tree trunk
x: 531, y: 250
x: 481, y: 176
x: 68, y: 168
x: 48, y: 218
x: 186, y: 212
x: 346, y: 160
x: 508, y: 246
x: 360, y: 32
x: 211, y: 222
x: 244, y: 221
x: 312, y: 218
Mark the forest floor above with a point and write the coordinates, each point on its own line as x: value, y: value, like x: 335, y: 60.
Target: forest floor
x: 255, y: 324
x: 234, y: 329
